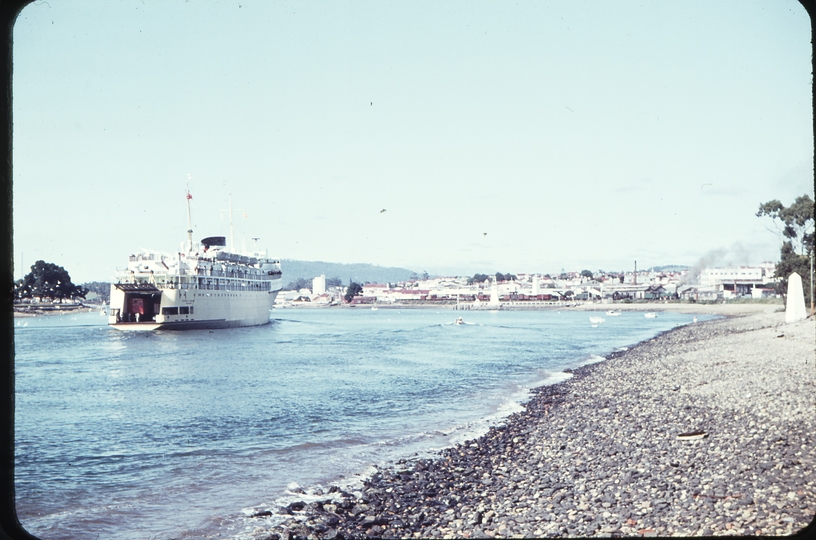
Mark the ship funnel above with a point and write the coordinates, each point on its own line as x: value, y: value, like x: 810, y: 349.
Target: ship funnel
x: 214, y: 241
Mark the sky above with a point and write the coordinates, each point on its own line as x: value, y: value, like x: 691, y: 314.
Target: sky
x: 453, y: 138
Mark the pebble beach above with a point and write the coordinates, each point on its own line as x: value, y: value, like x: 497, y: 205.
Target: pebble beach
x: 704, y: 430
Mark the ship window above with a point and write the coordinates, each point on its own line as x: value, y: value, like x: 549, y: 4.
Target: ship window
x: 170, y: 311
x: 184, y: 310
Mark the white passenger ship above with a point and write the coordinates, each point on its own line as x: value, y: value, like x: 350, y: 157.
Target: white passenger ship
x: 206, y: 287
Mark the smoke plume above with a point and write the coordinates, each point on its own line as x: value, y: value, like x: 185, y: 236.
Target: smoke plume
x: 734, y: 255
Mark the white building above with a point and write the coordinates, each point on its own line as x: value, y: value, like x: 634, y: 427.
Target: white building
x: 738, y: 274
x: 319, y: 285
x: 736, y: 281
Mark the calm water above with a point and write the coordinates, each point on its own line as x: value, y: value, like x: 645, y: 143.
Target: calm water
x: 184, y: 434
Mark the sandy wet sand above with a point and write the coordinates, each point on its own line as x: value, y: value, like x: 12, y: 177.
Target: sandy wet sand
x: 704, y: 430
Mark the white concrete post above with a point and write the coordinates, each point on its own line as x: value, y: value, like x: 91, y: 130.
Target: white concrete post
x: 795, y: 310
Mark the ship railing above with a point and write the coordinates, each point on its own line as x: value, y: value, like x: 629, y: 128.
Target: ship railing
x: 233, y: 284
x: 248, y: 273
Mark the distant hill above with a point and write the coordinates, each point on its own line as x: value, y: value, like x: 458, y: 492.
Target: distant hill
x: 358, y: 272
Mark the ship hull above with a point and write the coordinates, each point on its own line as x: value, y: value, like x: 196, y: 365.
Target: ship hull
x: 211, y: 324
x: 188, y: 309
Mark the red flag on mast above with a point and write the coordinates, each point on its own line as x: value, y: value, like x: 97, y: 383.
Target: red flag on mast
x: 189, y: 196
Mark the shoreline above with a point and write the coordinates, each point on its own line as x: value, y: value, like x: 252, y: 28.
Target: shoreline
x: 725, y: 309
x: 20, y: 313
x: 704, y: 447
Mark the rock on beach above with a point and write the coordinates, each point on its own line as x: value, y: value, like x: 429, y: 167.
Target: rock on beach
x: 704, y: 430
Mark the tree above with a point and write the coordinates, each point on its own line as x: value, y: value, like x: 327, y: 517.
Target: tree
x: 586, y: 273
x: 299, y: 283
x: 101, y: 288
x: 47, y: 280
x: 354, y: 289
x: 478, y: 278
x: 334, y: 282
x: 790, y: 262
x: 794, y: 222
x: 794, y: 226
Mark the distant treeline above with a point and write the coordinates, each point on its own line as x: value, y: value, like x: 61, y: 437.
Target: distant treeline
x: 101, y: 288
x: 480, y: 278
x: 303, y: 283
x: 302, y: 272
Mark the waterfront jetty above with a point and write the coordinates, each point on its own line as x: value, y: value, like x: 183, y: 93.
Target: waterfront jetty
x: 43, y: 309
x: 704, y: 430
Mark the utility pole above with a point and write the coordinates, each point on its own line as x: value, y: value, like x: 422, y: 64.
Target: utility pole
x: 811, y: 282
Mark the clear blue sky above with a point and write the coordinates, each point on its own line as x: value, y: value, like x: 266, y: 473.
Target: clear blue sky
x: 575, y: 134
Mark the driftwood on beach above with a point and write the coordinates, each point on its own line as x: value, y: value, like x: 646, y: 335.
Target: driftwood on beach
x: 704, y: 430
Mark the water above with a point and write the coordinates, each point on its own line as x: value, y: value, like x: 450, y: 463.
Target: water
x: 185, y: 434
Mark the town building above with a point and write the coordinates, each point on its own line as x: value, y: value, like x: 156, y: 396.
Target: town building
x: 734, y: 281
x: 319, y: 285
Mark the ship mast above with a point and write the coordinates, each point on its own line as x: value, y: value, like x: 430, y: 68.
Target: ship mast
x: 189, y: 220
x: 232, y: 233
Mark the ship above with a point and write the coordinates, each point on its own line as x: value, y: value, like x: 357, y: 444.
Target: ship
x: 204, y: 285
